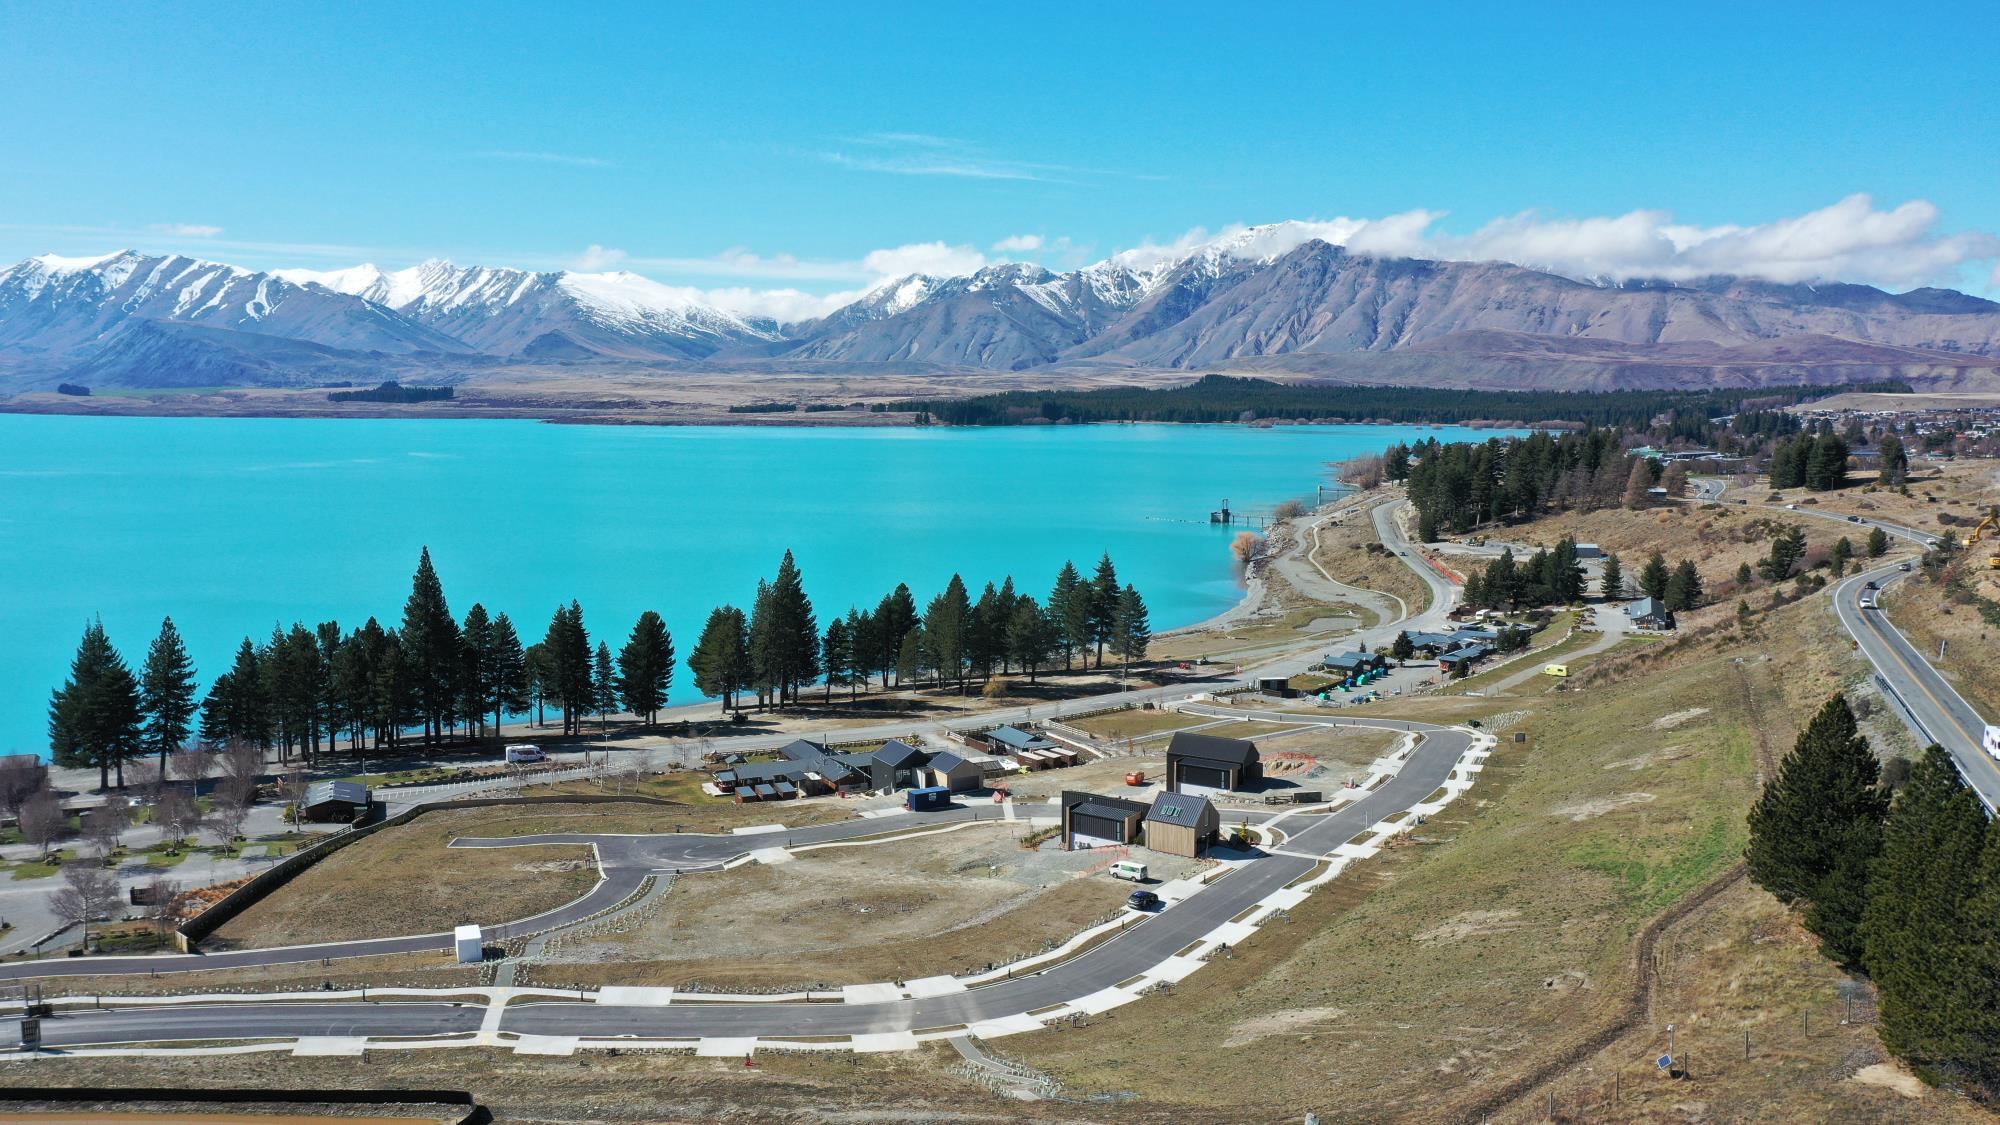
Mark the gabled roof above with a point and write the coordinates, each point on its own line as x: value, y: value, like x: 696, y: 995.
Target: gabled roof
x: 1096, y: 804
x: 322, y: 792
x: 1646, y: 607
x: 947, y: 761
x: 1015, y: 737
x: 1211, y: 748
x: 1430, y: 640
x: 1469, y: 652
x: 897, y: 754
x: 1178, y: 808
x: 1355, y: 659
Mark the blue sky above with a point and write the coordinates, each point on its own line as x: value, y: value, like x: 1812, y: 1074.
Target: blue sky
x: 778, y: 145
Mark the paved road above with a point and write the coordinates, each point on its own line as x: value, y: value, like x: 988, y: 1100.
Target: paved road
x: 1931, y: 707
x: 1135, y: 950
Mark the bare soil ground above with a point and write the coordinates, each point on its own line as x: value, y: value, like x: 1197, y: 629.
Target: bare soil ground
x: 1136, y: 723
x: 699, y: 812
x: 947, y: 902
x: 1098, y: 775
x: 407, y: 880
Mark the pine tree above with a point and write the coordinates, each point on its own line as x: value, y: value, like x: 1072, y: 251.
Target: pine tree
x: 166, y: 693
x: 721, y: 657
x: 1132, y: 631
x: 1683, y: 588
x: 1843, y: 551
x: 1895, y: 462
x: 568, y: 646
x: 603, y: 683
x: 1817, y: 827
x: 510, y: 672
x: 860, y: 629
x: 1614, y: 578
x: 646, y: 667
x: 1878, y: 543
x: 1029, y: 636
x: 482, y: 663
x: 1919, y: 937
x: 1787, y: 548
x: 1069, y: 612
x: 895, y: 616
x: 94, y: 718
x: 1403, y: 647
x: 946, y: 622
x: 1653, y: 579
x: 836, y: 652
x: 430, y: 645
x: 1104, y: 593
x: 790, y: 644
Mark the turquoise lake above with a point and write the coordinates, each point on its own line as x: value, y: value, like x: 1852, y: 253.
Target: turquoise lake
x: 234, y: 525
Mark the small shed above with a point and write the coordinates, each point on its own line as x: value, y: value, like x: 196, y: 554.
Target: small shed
x: 959, y: 775
x: 1181, y: 824
x: 1205, y: 761
x: 931, y: 798
x: 337, y: 801
x: 471, y: 948
x: 1093, y: 821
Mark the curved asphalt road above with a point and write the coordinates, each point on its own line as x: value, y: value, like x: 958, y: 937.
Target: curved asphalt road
x: 1130, y: 953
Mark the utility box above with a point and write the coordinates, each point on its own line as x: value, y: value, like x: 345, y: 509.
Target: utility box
x: 929, y: 799
x: 471, y: 949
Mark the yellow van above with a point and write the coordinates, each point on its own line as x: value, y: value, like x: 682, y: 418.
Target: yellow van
x: 1555, y: 669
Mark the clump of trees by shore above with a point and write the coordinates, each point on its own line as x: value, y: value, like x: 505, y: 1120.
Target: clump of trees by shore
x: 431, y: 676
x: 777, y: 649
x: 1905, y: 890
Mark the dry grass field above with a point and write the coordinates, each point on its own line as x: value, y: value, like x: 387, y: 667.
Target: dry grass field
x: 946, y: 902
x: 408, y: 880
x: 397, y: 970
x: 1350, y: 551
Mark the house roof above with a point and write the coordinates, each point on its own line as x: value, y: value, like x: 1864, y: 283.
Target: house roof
x: 802, y: 750
x: 1348, y: 660
x: 325, y: 792
x: 1646, y: 607
x: 947, y: 761
x: 1096, y: 804
x: 1430, y: 640
x: 1469, y: 652
x: 1475, y: 635
x: 1015, y: 737
x: 1212, y: 748
x: 1178, y: 808
x: 897, y: 754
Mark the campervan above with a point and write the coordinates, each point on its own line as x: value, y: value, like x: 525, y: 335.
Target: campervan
x: 523, y: 753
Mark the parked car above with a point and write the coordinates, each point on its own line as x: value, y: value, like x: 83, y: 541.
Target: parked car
x: 1144, y: 900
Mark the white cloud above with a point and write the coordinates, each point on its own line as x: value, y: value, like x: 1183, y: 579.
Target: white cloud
x: 187, y: 230
x: 782, y: 305
x: 564, y: 158
x: 935, y: 258
x: 1018, y: 244
x: 1851, y: 240
x: 595, y: 257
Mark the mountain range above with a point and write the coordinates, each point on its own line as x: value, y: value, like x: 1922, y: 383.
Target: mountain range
x: 1315, y: 310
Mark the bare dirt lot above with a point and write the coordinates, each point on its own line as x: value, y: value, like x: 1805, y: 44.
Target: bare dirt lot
x: 400, y: 970
x: 943, y: 902
x: 407, y: 880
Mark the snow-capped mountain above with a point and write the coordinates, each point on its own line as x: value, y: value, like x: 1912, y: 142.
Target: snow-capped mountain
x: 53, y: 305
x: 1274, y: 298
x: 557, y: 315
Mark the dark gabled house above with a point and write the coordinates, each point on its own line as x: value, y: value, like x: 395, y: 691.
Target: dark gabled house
x: 1205, y: 761
x: 1650, y: 613
x: 1093, y: 821
x: 337, y: 801
x: 1468, y: 654
x: 956, y: 773
x: 1353, y: 663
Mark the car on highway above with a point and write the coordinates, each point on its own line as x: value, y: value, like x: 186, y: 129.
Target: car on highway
x: 1871, y: 586
x: 1868, y: 601
x: 1144, y: 900
x: 1854, y: 519
x: 1905, y: 568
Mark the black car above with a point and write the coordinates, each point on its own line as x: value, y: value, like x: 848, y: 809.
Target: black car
x: 1144, y: 900
x: 1870, y: 586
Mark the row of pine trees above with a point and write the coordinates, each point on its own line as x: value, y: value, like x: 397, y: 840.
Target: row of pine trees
x: 1906, y: 890
x: 777, y: 649
x: 302, y: 690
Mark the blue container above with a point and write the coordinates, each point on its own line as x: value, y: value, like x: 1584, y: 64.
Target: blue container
x: 930, y: 799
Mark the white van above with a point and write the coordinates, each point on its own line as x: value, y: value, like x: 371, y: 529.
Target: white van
x: 1991, y: 740
x: 522, y: 753
x: 1129, y: 869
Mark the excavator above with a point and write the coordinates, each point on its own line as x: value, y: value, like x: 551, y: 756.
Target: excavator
x: 1986, y: 525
